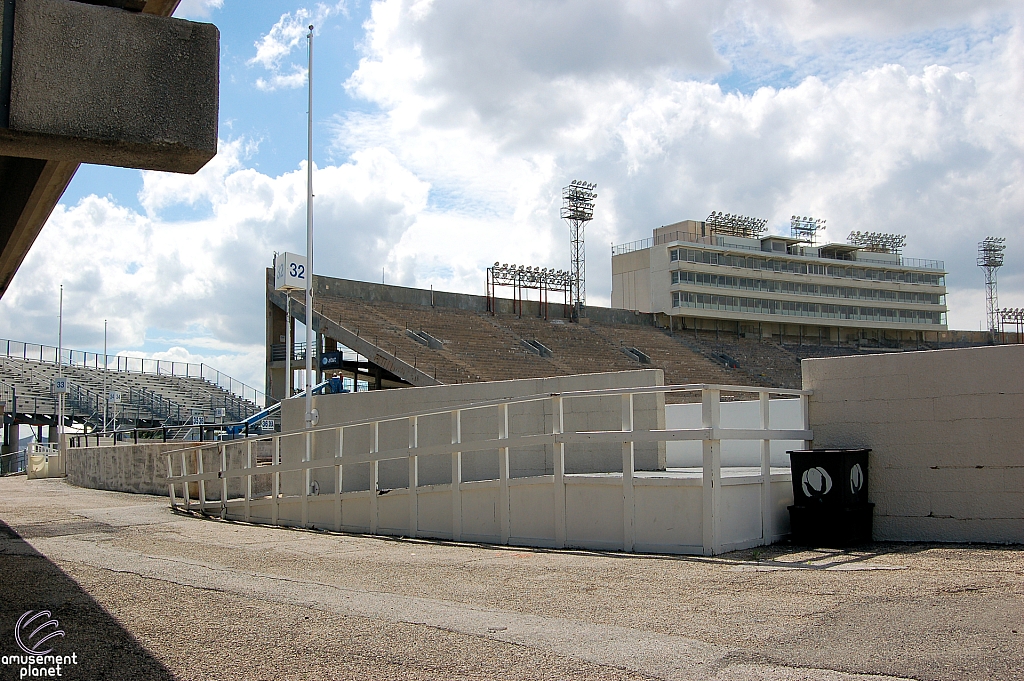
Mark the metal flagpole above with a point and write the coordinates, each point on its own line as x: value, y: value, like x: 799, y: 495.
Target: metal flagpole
x: 288, y: 378
x: 106, y: 390
x: 309, y: 242
x: 60, y: 369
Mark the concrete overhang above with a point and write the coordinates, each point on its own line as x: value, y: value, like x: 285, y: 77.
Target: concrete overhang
x: 94, y: 82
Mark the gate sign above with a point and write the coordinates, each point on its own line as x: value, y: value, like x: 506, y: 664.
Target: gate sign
x: 266, y: 424
x: 61, y: 386
x: 115, y: 396
x: 289, y: 272
x: 330, y: 360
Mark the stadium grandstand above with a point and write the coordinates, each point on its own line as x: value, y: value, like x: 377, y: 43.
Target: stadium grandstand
x: 725, y: 273
x: 146, y: 393
x: 383, y: 336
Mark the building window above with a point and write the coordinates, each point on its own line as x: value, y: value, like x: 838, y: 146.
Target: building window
x: 803, y: 289
x: 800, y: 309
x: 793, y: 267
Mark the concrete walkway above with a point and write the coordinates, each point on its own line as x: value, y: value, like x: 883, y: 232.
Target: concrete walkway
x: 143, y: 593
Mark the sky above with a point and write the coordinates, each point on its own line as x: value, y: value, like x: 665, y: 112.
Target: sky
x: 445, y: 130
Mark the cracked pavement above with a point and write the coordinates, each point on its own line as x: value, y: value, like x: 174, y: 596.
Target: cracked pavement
x: 144, y: 593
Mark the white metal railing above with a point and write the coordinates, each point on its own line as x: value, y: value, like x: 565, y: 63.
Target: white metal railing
x: 190, y: 463
x: 47, y: 354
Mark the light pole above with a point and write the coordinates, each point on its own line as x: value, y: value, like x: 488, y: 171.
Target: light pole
x: 106, y: 390
x: 309, y: 242
x: 60, y: 370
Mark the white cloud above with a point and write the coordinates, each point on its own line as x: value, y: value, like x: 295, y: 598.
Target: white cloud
x: 278, y: 44
x: 474, y: 104
x: 197, y: 9
x: 483, y: 111
x: 201, y: 281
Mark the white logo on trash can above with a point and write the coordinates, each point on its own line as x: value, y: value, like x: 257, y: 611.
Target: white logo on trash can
x: 856, y: 478
x: 816, y: 482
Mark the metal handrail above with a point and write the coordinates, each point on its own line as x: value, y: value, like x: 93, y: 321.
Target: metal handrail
x: 245, y: 427
x: 48, y: 354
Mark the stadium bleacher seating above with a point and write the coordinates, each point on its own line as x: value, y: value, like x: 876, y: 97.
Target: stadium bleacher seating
x: 147, y: 399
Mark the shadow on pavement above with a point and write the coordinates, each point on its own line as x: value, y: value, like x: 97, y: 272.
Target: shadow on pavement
x: 103, y: 648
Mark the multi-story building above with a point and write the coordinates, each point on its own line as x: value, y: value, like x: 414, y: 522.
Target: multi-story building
x: 696, y: 275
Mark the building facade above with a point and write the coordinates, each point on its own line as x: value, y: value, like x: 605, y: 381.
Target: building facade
x: 694, y: 277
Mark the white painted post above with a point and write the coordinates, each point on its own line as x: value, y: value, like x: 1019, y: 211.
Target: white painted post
x: 276, y: 477
x: 374, y: 478
x: 184, y: 471
x: 805, y: 411
x: 557, y: 427
x: 248, y: 481
x: 711, y: 413
x: 628, y: 464
x: 338, y: 480
x: 457, y: 477
x: 504, y: 516
x: 202, y: 483
x: 170, y: 473
x: 223, y: 481
x: 307, y: 475
x: 766, y: 471
x: 414, y: 476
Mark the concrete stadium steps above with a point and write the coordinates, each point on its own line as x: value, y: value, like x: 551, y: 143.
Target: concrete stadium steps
x: 477, y: 346
x: 387, y: 333
x: 680, y: 363
x: 161, y: 395
x: 764, y: 361
x: 490, y: 352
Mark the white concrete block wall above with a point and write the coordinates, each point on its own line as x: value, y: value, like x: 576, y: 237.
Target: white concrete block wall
x: 946, y: 429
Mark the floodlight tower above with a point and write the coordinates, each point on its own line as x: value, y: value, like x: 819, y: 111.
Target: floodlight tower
x: 990, y: 259
x: 578, y: 209
x: 805, y: 228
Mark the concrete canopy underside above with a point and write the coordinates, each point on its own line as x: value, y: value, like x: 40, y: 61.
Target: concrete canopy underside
x: 37, y: 163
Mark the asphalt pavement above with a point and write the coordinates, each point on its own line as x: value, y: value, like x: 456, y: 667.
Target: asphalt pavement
x: 141, y: 592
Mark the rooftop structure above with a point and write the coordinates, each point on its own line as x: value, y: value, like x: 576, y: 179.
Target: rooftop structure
x: 706, y: 275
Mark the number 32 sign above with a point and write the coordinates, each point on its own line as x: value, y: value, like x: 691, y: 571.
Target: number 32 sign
x: 289, y: 272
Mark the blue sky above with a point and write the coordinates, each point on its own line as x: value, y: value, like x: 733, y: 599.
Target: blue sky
x: 445, y: 130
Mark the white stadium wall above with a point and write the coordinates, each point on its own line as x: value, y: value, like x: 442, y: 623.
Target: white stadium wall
x: 946, y: 430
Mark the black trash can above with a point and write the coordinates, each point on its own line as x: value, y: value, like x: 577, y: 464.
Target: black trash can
x: 830, y: 494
